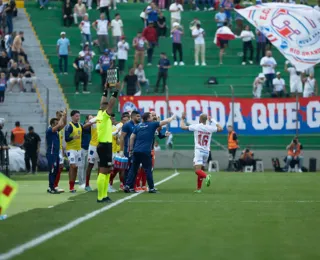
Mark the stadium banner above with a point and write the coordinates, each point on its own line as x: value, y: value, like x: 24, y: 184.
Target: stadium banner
x: 251, y: 116
x: 293, y: 29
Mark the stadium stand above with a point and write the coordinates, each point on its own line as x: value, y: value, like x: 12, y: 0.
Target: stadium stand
x: 187, y: 80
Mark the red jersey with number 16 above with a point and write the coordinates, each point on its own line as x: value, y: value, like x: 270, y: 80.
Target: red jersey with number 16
x: 202, y: 135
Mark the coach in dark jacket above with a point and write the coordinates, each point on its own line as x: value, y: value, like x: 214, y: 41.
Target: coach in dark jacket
x: 32, y: 145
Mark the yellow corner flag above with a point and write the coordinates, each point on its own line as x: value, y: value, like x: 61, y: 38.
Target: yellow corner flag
x: 8, y: 189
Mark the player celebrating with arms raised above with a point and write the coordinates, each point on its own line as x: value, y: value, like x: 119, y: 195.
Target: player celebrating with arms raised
x: 202, y: 140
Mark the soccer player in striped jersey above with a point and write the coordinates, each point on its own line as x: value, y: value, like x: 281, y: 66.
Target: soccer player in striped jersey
x: 202, y: 139
x: 116, y: 131
x: 92, y: 151
x: 126, y: 131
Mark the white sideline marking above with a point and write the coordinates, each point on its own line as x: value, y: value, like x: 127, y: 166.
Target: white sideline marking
x: 39, y: 240
x: 220, y: 201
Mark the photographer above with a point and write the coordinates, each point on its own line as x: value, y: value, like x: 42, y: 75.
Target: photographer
x: 294, y: 155
x: 247, y: 159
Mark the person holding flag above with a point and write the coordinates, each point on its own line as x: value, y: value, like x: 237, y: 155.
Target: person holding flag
x: 222, y: 37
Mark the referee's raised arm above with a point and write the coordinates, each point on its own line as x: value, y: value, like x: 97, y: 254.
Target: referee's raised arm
x: 108, y: 105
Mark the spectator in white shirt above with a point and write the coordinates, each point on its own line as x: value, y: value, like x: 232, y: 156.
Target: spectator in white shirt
x: 144, y: 82
x: 258, y: 85
x: 79, y: 10
x: 279, y: 86
x: 310, y: 86
x: 317, y: 7
x: 247, y: 36
x: 175, y: 9
x: 101, y: 26
x: 295, y: 80
x: 85, y: 30
x: 268, y: 64
x: 104, y: 8
x: 198, y: 35
x: 123, y: 48
x: 117, y: 29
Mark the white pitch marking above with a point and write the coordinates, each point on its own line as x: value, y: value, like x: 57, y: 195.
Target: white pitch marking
x: 39, y: 240
x: 220, y: 201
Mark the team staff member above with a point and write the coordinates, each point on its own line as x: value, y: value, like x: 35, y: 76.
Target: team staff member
x: 59, y: 115
x: 142, y: 176
x: 17, y: 135
x: 53, y: 147
x: 141, y: 143
x: 104, y: 149
x: 126, y: 132
x: 32, y: 146
x: 232, y: 147
x: 73, y: 137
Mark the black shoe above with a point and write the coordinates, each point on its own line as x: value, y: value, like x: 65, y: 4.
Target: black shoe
x: 50, y: 191
x: 100, y: 201
x: 107, y: 199
x: 126, y: 189
x: 153, y: 191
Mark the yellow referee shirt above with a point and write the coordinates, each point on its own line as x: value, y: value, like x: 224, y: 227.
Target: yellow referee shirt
x: 104, y: 127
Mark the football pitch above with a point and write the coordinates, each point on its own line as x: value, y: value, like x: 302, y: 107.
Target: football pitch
x: 243, y: 216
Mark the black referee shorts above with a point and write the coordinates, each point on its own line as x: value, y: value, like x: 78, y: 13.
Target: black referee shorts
x: 104, y: 151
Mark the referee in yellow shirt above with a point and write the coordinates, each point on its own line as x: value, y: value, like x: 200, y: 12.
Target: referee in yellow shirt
x: 104, y: 149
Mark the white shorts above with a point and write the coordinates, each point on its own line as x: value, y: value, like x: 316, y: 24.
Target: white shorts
x: 114, y: 155
x: 200, y: 157
x: 92, y: 154
x: 74, y: 157
x: 308, y: 94
x: 296, y: 88
x: 61, y: 158
x: 257, y: 93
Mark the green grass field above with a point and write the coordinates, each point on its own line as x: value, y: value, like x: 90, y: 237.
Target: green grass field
x: 243, y: 216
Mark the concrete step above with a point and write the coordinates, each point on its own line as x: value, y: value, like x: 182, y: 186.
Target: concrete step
x: 12, y: 109
x: 19, y: 98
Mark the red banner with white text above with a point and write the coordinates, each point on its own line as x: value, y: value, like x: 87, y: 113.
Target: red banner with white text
x: 251, y: 116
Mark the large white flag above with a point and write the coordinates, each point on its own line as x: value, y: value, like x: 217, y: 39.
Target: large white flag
x: 293, y: 29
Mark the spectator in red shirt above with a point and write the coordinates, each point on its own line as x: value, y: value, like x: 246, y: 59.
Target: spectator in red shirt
x: 150, y: 34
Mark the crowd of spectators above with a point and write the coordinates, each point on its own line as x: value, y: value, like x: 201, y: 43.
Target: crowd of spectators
x: 16, y: 72
x: 256, y: 47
